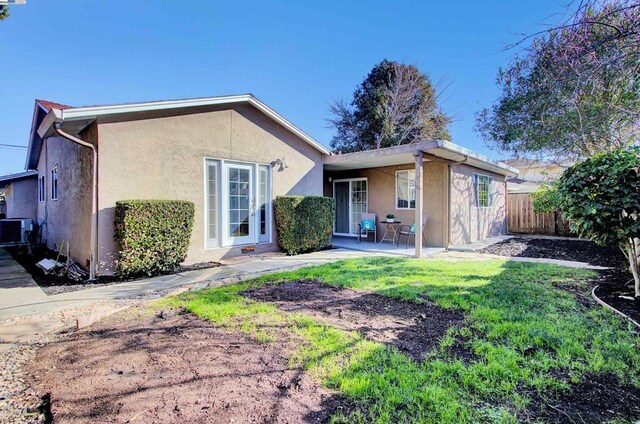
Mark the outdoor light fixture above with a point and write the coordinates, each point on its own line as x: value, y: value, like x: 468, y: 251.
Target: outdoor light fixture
x: 282, y: 162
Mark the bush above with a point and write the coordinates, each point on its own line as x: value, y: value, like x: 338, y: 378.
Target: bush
x: 601, y: 198
x: 304, y: 223
x: 153, y: 235
x: 546, y: 198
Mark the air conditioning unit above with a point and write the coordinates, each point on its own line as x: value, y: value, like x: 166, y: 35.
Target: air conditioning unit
x: 14, y: 231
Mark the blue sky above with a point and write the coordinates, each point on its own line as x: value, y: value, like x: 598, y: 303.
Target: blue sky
x: 295, y: 56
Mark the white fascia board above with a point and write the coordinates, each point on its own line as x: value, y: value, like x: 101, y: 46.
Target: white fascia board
x: 447, y: 145
x: 54, y: 115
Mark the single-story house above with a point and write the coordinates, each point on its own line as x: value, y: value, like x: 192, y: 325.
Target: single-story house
x: 232, y: 156
x: 18, y: 194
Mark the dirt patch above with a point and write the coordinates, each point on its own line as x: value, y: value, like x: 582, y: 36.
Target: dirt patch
x: 52, y: 284
x: 563, y: 249
x: 616, y: 289
x: 598, y: 398
x: 175, y: 368
x: 414, y: 328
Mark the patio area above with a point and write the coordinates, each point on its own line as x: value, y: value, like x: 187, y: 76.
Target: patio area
x: 386, y: 248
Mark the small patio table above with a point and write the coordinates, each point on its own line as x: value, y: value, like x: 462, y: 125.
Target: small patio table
x: 393, y: 232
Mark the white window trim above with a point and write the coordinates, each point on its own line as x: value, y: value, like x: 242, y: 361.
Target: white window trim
x: 476, y: 186
x: 42, y: 189
x: 223, y: 205
x: 395, y: 201
x: 350, y: 181
x: 210, y: 243
x: 268, y: 208
x: 56, y: 180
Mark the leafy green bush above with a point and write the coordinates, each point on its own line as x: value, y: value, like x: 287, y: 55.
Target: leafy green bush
x: 304, y: 223
x: 601, y: 198
x: 153, y: 235
x: 546, y: 198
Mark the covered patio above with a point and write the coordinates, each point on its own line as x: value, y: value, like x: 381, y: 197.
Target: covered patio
x: 428, y: 187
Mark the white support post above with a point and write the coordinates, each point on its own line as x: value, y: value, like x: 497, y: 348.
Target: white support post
x: 418, y: 219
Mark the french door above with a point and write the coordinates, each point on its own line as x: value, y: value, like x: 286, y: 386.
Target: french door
x: 241, y: 204
x: 238, y: 203
x: 351, y: 196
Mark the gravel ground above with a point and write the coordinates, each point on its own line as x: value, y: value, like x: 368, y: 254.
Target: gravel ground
x: 19, y: 402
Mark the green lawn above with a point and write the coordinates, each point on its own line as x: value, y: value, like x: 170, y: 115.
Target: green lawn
x: 528, y: 336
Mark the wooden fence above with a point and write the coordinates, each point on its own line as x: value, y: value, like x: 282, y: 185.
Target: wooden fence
x: 521, y: 218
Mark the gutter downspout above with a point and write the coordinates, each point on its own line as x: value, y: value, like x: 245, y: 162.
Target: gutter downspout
x: 450, y: 165
x: 506, y: 203
x: 94, y: 197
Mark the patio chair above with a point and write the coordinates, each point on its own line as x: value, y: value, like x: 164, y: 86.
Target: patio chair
x: 367, y: 225
x: 410, y: 231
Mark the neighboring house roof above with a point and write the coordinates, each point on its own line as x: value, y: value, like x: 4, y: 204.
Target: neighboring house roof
x: 518, y: 185
x: 5, y: 180
x: 537, y: 170
x: 78, y: 118
x: 399, y: 155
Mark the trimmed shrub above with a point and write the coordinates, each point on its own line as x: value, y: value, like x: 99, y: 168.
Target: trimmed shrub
x: 153, y: 235
x: 304, y: 223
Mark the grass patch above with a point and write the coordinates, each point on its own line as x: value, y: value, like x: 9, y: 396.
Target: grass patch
x: 526, y: 335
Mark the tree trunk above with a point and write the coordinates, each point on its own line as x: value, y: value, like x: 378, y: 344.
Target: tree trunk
x: 633, y: 262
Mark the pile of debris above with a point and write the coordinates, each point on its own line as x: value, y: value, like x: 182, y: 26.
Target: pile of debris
x: 70, y: 269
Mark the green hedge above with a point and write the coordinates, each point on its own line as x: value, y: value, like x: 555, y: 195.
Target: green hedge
x: 305, y: 223
x: 153, y: 235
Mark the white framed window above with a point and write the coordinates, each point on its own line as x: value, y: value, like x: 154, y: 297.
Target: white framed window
x: 482, y: 189
x: 54, y: 183
x: 264, y: 203
x: 406, y: 189
x: 41, y: 189
x: 212, y: 202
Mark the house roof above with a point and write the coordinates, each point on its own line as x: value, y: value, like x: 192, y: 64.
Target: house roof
x: 399, y: 155
x: 51, y: 105
x: 5, y: 180
x: 74, y: 119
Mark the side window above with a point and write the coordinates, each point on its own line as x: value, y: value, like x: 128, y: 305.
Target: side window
x: 406, y: 189
x: 54, y: 183
x: 41, y: 189
x: 482, y: 189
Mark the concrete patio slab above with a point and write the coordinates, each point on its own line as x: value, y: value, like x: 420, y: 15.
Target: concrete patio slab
x: 385, y: 248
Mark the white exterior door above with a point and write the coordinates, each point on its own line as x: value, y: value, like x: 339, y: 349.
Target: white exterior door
x: 240, y: 202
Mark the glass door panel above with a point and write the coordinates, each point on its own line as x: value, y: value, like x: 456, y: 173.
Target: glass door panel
x: 358, y: 203
x: 240, y: 223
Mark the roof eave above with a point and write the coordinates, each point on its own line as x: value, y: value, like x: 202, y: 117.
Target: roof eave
x: 93, y: 112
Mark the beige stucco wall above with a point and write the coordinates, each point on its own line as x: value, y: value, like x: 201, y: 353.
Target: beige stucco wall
x: 69, y: 217
x: 470, y: 223
x: 382, y: 196
x: 162, y: 157
x: 21, y: 198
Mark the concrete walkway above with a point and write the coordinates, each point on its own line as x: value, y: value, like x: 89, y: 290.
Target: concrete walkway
x: 474, y: 256
x: 26, y: 312
x: 16, y: 285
